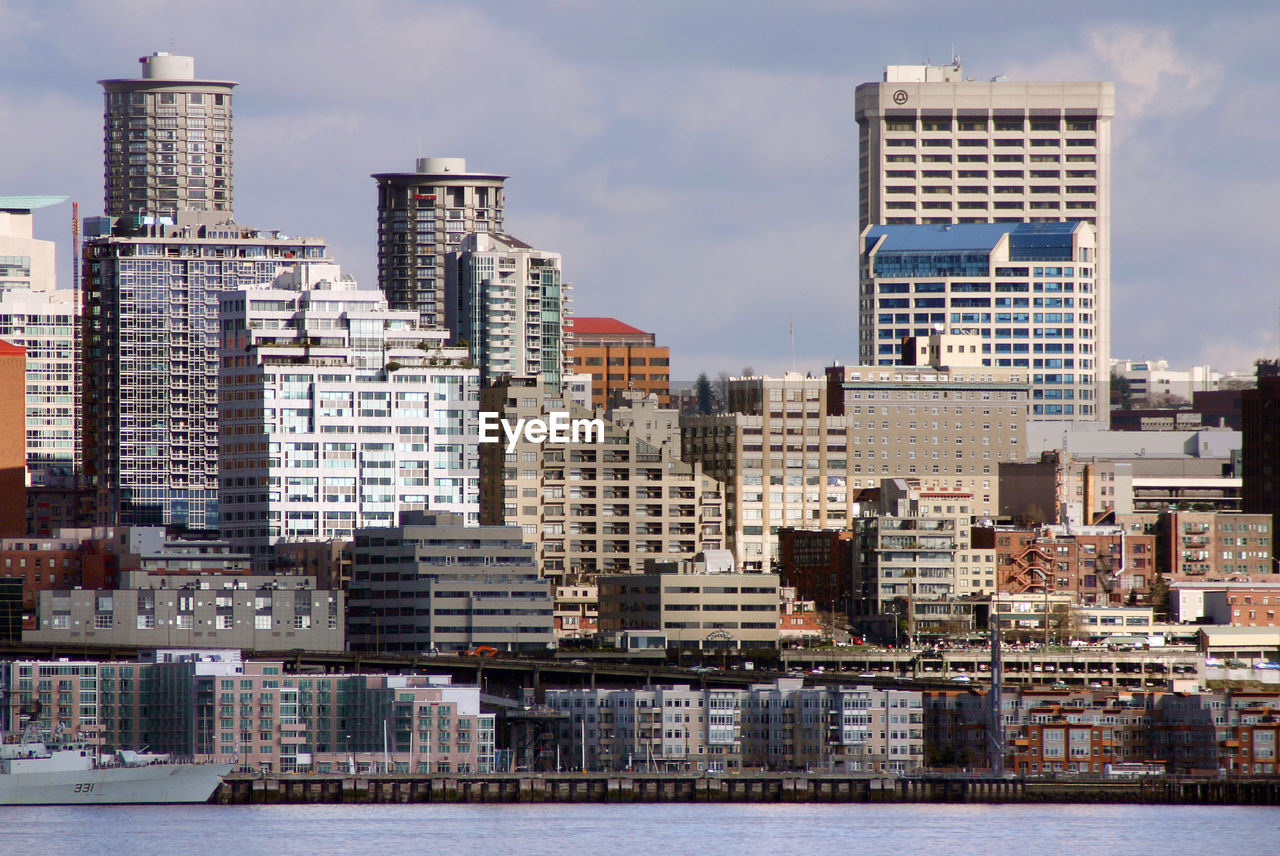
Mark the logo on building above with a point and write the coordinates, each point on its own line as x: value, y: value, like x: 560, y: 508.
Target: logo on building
x: 556, y: 428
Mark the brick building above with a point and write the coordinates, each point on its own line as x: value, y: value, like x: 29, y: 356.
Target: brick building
x: 619, y: 357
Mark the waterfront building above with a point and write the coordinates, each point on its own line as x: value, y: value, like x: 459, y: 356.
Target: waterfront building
x: 336, y: 413
x: 168, y: 141
x: 433, y: 584
x: 508, y: 302
x: 422, y: 217
x: 937, y: 149
x: 603, y: 501
x: 700, y: 605
x: 151, y: 296
x: 211, y: 704
x: 620, y: 357
x: 773, y: 726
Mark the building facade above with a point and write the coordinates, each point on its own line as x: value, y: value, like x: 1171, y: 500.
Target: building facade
x: 1029, y: 290
x: 741, y: 609
x: 507, y: 300
x: 35, y: 315
x: 778, y: 726
x: 148, y: 610
x: 151, y: 297
x: 13, y: 440
x: 937, y: 148
x: 914, y: 560
x: 796, y: 451
x: 337, y: 413
x: 433, y: 584
x: 602, y: 502
x: 209, y: 704
x: 168, y: 140
x: 620, y: 357
x: 423, y: 216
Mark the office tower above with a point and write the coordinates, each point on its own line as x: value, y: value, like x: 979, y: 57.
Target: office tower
x: 337, y: 413
x: 620, y: 357
x: 422, y: 217
x: 168, y: 144
x: 1028, y: 290
x: 507, y: 301
x: 936, y: 148
x: 151, y: 297
x: 44, y: 321
x: 432, y: 583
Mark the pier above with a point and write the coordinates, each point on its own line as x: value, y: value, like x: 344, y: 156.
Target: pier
x: 737, y: 787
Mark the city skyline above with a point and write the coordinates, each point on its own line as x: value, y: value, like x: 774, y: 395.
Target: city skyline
x: 631, y: 136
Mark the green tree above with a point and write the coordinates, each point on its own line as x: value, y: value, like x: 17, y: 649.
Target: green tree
x: 1158, y: 594
x: 706, y: 400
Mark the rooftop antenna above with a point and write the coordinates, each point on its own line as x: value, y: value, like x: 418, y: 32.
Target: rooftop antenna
x: 793, y: 344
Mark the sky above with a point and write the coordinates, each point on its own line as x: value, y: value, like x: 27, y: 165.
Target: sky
x: 694, y: 162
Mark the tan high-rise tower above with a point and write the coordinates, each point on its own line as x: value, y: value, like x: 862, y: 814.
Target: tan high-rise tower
x: 167, y: 140
x: 937, y: 148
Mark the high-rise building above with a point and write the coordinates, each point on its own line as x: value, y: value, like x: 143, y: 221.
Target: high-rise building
x: 508, y: 302
x: 620, y: 357
x: 45, y: 321
x: 151, y: 296
x: 336, y: 413
x: 1260, y: 440
x: 1028, y: 290
x: 937, y: 148
x: 422, y: 216
x: 167, y: 140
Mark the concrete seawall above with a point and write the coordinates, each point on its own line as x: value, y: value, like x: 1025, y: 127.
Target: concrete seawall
x: 739, y: 787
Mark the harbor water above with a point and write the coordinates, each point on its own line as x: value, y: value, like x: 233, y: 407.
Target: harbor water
x: 666, y: 829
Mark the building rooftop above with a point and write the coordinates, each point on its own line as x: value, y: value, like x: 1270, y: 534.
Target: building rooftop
x: 981, y: 237
x: 604, y: 326
x: 25, y: 204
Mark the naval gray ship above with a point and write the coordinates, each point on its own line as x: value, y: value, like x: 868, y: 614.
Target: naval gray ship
x: 33, y: 772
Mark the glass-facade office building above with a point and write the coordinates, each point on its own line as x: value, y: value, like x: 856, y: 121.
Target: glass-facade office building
x: 1028, y: 289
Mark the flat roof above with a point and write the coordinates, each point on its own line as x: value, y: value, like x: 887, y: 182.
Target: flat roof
x: 29, y: 203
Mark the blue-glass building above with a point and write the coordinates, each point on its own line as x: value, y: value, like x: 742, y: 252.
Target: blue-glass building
x: 1028, y: 289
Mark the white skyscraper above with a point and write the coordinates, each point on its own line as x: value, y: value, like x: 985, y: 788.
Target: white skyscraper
x: 45, y: 321
x: 336, y: 413
x: 937, y: 148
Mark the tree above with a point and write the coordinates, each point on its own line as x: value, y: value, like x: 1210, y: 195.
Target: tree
x: 706, y: 403
x: 1122, y: 391
x: 1158, y: 595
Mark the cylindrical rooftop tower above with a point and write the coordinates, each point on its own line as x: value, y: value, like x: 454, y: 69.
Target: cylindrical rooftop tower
x: 167, y: 140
